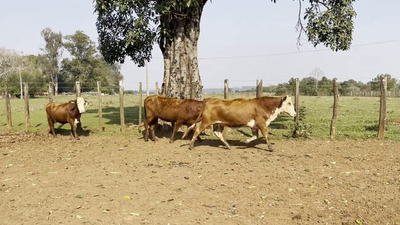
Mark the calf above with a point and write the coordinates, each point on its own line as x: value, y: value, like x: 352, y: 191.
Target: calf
x: 179, y: 111
x: 69, y: 112
x: 256, y: 113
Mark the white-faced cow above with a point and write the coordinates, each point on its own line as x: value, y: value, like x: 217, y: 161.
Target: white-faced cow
x: 179, y: 111
x: 63, y: 113
x: 256, y: 113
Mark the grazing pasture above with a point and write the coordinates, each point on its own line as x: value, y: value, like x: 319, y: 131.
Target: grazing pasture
x: 111, y: 177
x: 358, y: 117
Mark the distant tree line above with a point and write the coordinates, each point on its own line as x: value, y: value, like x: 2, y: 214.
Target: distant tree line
x: 84, y: 64
x: 311, y: 86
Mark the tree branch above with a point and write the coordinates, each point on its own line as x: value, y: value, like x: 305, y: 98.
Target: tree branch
x: 299, y: 27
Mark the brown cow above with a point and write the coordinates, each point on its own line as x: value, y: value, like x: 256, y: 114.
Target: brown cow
x: 255, y: 113
x: 179, y: 111
x: 69, y: 112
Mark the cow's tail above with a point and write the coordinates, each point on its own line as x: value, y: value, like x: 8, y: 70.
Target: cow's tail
x: 141, y: 124
x: 199, y: 118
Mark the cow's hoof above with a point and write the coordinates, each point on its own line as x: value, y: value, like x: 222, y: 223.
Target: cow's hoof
x: 270, y: 148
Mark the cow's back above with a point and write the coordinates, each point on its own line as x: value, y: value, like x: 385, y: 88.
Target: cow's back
x: 58, y: 112
x: 236, y: 112
x: 172, y: 109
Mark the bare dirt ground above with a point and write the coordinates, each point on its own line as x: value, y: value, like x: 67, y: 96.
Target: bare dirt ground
x: 123, y: 180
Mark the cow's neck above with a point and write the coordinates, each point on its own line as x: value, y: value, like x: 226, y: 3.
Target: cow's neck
x: 273, y: 115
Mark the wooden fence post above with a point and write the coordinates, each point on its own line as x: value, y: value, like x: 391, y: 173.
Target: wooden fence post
x: 27, y: 115
x: 226, y: 89
x: 20, y: 82
x: 8, y: 107
x: 382, y: 112
x: 297, y: 101
x: 78, y: 89
x: 335, y: 107
x: 100, y: 109
x: 140, y: 102
x: 259, y: 88
x: 157, y: 89
x: 121, y: 105
x: 51, y: 94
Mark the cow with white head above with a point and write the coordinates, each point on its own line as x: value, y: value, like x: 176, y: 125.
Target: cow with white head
x: 69, y: 112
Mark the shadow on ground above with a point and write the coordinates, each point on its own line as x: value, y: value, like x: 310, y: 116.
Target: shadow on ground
x: 65, y: 130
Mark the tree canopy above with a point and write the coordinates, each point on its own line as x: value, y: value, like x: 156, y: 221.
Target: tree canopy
x: 130, y: 28
x: 86, y: 65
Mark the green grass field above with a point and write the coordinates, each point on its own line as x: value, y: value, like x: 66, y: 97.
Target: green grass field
x: 357, y: 117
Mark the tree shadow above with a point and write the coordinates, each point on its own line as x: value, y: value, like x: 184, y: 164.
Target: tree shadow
x: 131, y: 114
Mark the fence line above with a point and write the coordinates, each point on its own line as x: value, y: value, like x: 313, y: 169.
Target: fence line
x: 227, y: 94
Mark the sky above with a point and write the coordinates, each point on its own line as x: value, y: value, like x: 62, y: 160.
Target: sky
x: 238, y: 41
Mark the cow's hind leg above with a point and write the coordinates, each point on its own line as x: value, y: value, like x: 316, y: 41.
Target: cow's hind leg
x: 198, y: 131
x: 51, y: 126
x: 254, y: 131
x: 146, y: 127
x: 149, y: 123
x: 191, y: 128
x: 218, y: 132
x: 153, y: 133
x: 176, y: 127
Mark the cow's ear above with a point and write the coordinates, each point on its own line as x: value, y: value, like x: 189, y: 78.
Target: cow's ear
x: 284, y: 98
x: 71, y: 106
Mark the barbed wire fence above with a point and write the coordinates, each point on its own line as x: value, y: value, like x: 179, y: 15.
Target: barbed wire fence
x: 133, y: 115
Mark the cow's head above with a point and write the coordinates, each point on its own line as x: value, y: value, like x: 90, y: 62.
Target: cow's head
x: 287, y: 106
x: 80, y: 102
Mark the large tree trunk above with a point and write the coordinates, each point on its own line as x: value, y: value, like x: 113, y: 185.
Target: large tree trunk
x: 181, y: 69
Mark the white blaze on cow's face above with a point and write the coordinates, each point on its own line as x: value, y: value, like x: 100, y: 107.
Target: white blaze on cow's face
x: 81, y: 104
x: 287, y: 106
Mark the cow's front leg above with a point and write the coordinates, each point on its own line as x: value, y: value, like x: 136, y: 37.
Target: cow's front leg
x: 72, y: 122
x: 78, y: 123
x: 264, y: 130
